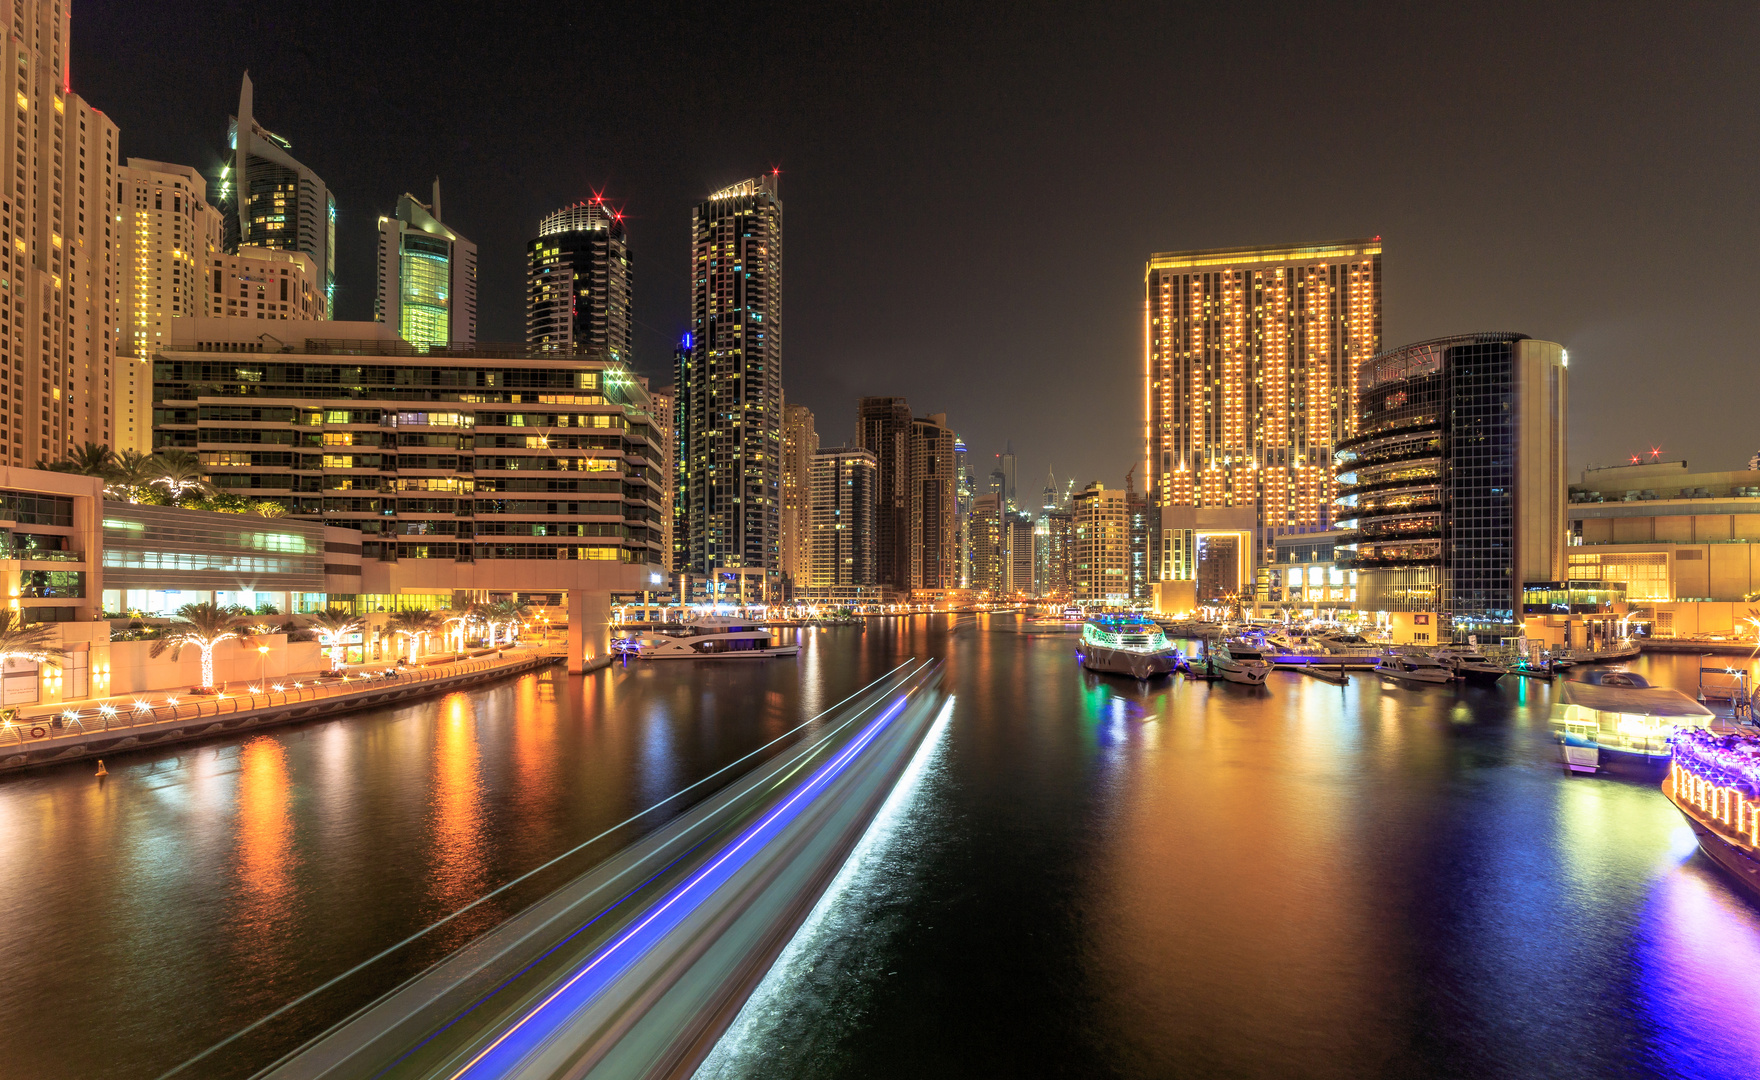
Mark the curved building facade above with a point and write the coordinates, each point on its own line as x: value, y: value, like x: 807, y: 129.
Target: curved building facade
x: 578, y: 282
x: 1451, y: 493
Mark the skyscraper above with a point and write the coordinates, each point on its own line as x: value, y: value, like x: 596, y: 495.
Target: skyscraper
x: 1102, y: 546
x: 934, y: 548
x: 661, y: 409
x: 730, y: 393
x: 800, y: 441
x: 1452, y: 491
x: 987, y: 545
x: 57, y: 204
x: 964, y: 492
x: 1005, y: 465
x: 841, y: 518
x: 169, y: 234
x: 271, y: 200
x: 427, y: 276
x: 1251, y: 379
x: 578, y: 281
x: 1018, y: 568
x: 883, y: 428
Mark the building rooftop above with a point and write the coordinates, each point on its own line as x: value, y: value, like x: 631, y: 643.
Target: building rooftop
x: 1235, y: 256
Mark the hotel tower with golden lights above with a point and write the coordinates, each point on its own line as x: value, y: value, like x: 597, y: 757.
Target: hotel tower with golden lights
x: 1251, y: 378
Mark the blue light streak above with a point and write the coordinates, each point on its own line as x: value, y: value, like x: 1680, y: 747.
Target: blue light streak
x: 530, y: 1031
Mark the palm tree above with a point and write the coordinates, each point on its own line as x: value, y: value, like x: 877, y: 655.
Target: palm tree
x: 91, y: 459
x: 513, y: 614
x: 204, y: 626
x: 413, y: 625
x: 460, y: 620
x: 332, y: 627
x: 130, y: 473
x: 180, y: 473
x: 35, y: 643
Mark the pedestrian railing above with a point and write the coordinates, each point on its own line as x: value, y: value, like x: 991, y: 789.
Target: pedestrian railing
x: 125, y: 713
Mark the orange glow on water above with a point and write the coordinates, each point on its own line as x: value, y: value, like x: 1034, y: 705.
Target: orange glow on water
x: 457, y: 803
x: 265, y: 840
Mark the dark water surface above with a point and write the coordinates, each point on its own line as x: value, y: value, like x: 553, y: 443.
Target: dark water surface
x: 1092, y: 878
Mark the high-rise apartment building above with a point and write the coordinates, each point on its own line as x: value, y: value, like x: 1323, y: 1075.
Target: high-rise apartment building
x: 1452, y: 489
x: 963, y: 494
x: 841, y: 520
x: 987, y: 527
x: 271, y: 200
x: 578, y: 282
x: 427, y: 276
x: 661, y: 406
x: 729, y: 387
x: 883, y: 428
x: 1251, y: 377
x: 1055, y: 540
x: 58, y: 183
x: 1018, y: 559
x: 1005, y: 470
x: 934, y: 546
x: 1102, y: 546
x: 800, y: 442
x: 167, y: 236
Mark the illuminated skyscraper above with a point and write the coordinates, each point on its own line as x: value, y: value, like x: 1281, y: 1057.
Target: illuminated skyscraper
x: 1251, y: 379
x: 271, y: 200
x: 578, y: 280
x: 934, y: 535
x: 58, y: 177
x: 800, y: 441
x: 883, y: 428
x: 427, y: 276
x: 841, y: 519
x: 730, y: 394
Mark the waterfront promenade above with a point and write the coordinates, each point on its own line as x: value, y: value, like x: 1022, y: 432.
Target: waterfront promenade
x: 47, y: 734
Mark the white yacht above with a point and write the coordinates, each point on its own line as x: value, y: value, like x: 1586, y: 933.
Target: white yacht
x: 713, y: 637
x: 1618, y: 717
x: 1240, y: 662
x: 1413, y: 668
x: 1471, y: 665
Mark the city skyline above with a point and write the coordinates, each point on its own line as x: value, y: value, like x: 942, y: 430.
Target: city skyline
x: 1472, y: 244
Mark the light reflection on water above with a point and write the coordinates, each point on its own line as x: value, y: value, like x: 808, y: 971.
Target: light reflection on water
x: 1097, y: 877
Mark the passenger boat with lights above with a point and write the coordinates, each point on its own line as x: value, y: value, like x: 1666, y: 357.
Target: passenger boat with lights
x: 1413, y: 667
x: 1616, y: 718
x: 1714, y: 781
x: 1121, y: 645
x: 712, y: 637
x: 1471, y: 665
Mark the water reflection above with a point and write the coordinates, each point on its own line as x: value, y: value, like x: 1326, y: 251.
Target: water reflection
x: 457, y: 806
x: 264, y: 853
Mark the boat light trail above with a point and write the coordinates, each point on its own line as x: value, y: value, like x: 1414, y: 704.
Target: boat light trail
x: 582, y: 846
x: 542, y: 1020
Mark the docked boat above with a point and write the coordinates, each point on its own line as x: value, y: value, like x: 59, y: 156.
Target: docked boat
x: 1413, y: 668
x: 1470, y: 665
x: 1241, y: 662
x: 1714, y: 781
x: 1624, y: 649
x: 1617, y: 718
x: 1127, y: 646
x: 713, y: 637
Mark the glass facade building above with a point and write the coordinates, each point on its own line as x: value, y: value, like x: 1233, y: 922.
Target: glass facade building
x: 1451, y: 493
x: 270, y: 200
x: 427, y: 276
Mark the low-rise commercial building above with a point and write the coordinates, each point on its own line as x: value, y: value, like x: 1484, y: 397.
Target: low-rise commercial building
x: 1685, y: 545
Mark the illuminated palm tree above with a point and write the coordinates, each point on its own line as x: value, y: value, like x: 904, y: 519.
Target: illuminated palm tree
x: 415, y: 626
x: 332, y: 627
x: 509, y: 613
x: 89, y: 460
x: 180, y: 473
x: 204, y: 626
x: 460, y: 621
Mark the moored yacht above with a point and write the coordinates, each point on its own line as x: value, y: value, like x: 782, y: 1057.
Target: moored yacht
x: 1121, y: 645
x: 1471, y: 665
x: 1413, y: 667
x: 1241, y: 661
x: 713, y: 637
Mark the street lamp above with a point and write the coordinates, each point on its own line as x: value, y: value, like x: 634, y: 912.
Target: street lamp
x: 263, y: 664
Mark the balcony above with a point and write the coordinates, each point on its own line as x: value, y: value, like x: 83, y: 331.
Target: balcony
x: 41, y: 555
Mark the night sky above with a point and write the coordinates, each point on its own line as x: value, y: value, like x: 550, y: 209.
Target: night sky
x: 970, y: 194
